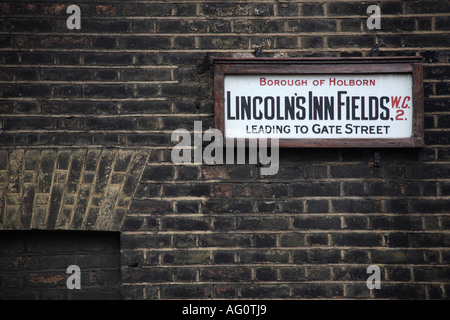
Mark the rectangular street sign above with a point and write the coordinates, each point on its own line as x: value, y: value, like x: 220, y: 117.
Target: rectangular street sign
x: 365, y: 102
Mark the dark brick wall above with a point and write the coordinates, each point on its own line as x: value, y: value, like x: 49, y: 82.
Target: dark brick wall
x: 33, y: 265
x: 136, y: 71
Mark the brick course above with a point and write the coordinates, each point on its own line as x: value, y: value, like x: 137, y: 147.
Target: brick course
x: 86, y: 121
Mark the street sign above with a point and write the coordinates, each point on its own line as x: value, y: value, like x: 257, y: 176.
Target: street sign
x: 365, y: 102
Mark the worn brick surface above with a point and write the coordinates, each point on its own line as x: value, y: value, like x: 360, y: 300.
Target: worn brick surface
x: 69, y: 189
x: 34, y: 265
x: 86, y: 120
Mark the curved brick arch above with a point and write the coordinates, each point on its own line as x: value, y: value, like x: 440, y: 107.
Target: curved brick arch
x: 68, y: 189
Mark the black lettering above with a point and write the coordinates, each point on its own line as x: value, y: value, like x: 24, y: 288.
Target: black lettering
x: 347, y: 101
x: 329, y: 108
x: 229, y: 117
x: 237, y: 108
x: 316, y: 128
x: 373, y: 108
x: 257, y: 116
x: 267, y: 108
x: 383, y: 101
x: 348, y: 128
x: 279, y: 117
x: 289, y: 108
x: 363, y: 110
x: 318, y: 108
x: 246, y: 106
x: 340, y: 103
x: 300, y: 115
x: 354, y: 108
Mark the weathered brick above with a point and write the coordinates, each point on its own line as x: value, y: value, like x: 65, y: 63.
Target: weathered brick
x: 187, y: 257
x: 224, y: 240
x: 350, y: 41
x: 152, y: 9
x: 312, y: 25
x: 429, y: 239
x: 151, y: 206
x: 237, y: 206
x: 396, y: 223
x: 225, y: 274
x: 357, y: 291
x: 27, y: 206
x: 221, y: 257
x: 356, y: 222
x: 229, y: 42
x: 267, y: 291
x: 428, y: 7
x: 150, y: 240
x: 186, y: 291
x: 193, y: 190
x: 399, y: 274
x: 137, y: 166
x: 401, y: 291
x: 268, y: 223
x: 305, y: 189
x: 356, y: 206
x: 158, y: 173
x: 357, y: 239
x: 135, y: 73
x: 355, y: 256
x: 148, y: 190
x: 185, y: 224
x: 322, y: 256
x: 317, y: 206
x: 222, y: 9
x: 317, y: 290
x: 317, y: 223
x: 75, y: 171
x: 188, y: 206
x: 107, y: 58
x: 397, y: 239
x: 351, y: 25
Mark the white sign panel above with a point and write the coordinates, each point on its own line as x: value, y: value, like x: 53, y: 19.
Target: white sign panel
x: 322, y: 106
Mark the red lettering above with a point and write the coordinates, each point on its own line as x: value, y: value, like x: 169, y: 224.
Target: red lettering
x: 395, y: 101
x: 400, y: 114
x: 283, y: 82
x: 404, y: 104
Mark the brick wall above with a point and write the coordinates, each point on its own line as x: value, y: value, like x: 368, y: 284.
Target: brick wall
x: 137, y: 70
x: 33, y: 265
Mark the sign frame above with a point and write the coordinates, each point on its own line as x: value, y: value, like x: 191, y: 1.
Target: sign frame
x: 327, y: 66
